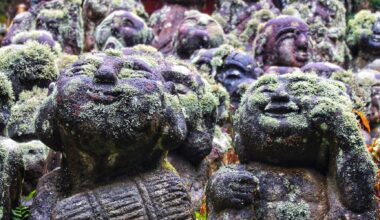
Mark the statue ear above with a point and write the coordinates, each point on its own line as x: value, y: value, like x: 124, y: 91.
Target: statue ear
x: 46, y: 126
x: 174, y: 130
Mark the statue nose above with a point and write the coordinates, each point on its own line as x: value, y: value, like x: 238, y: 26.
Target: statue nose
x: 302, y: 41
x: 106, y: 75
x: 376, y: 28
x: 280, y: 97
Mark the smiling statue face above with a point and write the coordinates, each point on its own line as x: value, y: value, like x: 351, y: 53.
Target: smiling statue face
x: 275, y: 116
x: 197, y: 31
x: 371, y: 43
x: 292, y: 48
x: 122, y: 29
x: 101, y: 109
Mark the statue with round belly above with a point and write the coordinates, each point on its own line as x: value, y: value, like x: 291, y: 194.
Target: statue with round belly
x: 302, y: 155
x: 114, y: 116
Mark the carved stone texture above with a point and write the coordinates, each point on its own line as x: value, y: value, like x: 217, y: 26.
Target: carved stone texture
x: 196, y: 31
x: 243, y: 18
x: 302, y: 155
x: 95, y: 11
x: 122, y: 29
x: 114, y: 115
x: 233, y: 68
x: 283, y: 41
x: 327, y: 23
x: 363, y: 37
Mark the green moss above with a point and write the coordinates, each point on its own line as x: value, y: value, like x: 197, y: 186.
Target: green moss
x: 291, y: 210
x: 360, y: 25
x: 30, y: 62
x: 24, y: 111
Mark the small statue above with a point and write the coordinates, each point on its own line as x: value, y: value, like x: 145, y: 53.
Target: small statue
x: 22, y: 22
x: 197, y: 31
x: 11, y: 163
x: 114, y: 116
x: 363, y: 38
x: 369, y: 81
x: 31, y: 67
x: 166, y: 20
x: 243, y: 18
x: 59, y: 17
x: 283, y: 41
x: 122, y: 29
x: 95, y: 11
x: 233, y: 68
x: 302, y: 155
x: 327, y: 23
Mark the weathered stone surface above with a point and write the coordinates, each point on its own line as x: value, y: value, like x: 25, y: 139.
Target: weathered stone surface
x: 122, y: 29
x: 327, y: 23
x: 283, y: 41
x: 11, y: 176
x: 95, y: 11
x: 196, y: 31
x: 114, y: 116
x: 302, y: 154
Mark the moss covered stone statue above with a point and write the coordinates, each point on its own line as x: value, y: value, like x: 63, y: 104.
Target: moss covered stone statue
x: 197, y: 31
x: 95, y: 11
x: 166, y: 20
x: 283, y: 41
x: 364, y: 38
x: 122, y: 29
x: 327, y: 23
x: 233, y: 68
x: 114, y: 117
x: 242, y: 18
x: 11, y: 163
x: 302, y: 155
x: 62, y: 18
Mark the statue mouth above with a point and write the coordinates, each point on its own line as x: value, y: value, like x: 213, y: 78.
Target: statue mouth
x: 279, y: 110
x: 103, y: 97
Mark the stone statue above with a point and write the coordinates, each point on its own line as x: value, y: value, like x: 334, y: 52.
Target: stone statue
x: 166, y: 20
x: 95, y: 11
x: 113, y: 116
x: 302, y: 155
x: 59, y: 17
x: 11, y: 163
x: 369, y: 81
x: 283, y: 41
x: 122, y: 29
x: 197, y: 31
x: 233, y: 68
x: 327, y: 23
x: 31, y: 67
x: 242, y: 18
x: 363, y: 38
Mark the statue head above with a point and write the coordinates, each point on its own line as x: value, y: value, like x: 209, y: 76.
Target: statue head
x: 29, y: 65
x: 97, y: 10
x: 276, y: 115
x: 122, y: 113
x: 122, y: 29
x: 40, y: 36
x: 197, y: 31
x: 22, y: 22
x: 233, y: 68
x: 364, y: 33
x: 369, y: 81
x: 283, y: 41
